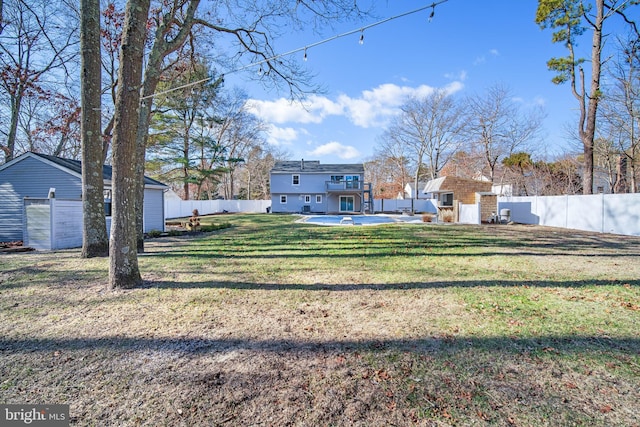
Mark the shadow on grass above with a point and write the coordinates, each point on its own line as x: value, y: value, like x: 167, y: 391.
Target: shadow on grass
x: 576, y: 344
x: 295, y: 241
x: 384, y: 286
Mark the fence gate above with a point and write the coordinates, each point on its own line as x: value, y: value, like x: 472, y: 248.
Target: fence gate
x: 52, y: 223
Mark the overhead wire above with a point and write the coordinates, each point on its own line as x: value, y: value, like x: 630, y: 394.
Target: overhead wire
x: 305, y: 48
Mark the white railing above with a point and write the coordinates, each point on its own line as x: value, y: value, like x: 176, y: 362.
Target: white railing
x: 343, y: 185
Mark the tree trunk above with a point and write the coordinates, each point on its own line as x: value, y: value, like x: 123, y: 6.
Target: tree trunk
x: 588, y: 136
x: 16, y: 104
x: 123, y: 257
x: 621, y: 172
x: 94, y: 234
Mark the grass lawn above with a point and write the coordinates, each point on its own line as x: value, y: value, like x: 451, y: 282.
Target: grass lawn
x: 272, y: 323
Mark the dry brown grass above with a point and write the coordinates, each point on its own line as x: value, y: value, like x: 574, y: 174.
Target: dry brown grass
x: 274, y: 323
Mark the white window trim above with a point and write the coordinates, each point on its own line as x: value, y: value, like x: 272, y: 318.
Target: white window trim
x: 283, y: 199
x: 307, y: 198
x: 293, y: 179
x: 318, y: 198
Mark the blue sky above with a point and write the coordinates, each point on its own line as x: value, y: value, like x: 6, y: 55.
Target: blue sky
x: 467, y: 47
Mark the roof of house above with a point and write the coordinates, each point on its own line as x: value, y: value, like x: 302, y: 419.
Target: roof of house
x: 74, y: 166
x: 314, y: 166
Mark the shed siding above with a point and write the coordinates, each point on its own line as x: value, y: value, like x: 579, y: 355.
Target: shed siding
x: 30, y: 178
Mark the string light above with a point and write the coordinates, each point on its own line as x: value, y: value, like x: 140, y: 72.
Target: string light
x: 327, y: 40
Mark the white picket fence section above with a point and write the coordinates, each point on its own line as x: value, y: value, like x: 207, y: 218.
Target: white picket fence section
x: 174, y: 208
x: 602, y: 213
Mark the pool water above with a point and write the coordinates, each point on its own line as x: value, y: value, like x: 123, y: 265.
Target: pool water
x: 339, y: 220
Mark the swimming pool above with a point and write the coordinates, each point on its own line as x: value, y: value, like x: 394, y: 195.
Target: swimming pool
x: 355, y: 219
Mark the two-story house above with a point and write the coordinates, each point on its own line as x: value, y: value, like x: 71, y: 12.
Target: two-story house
x: 310, y: 187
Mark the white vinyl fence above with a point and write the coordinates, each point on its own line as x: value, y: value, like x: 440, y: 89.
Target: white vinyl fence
x: 52, y: 223
x: 175, y: 208
x: 603, y: 213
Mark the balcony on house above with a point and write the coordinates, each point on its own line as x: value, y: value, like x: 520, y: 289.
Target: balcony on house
x: 347, y: 186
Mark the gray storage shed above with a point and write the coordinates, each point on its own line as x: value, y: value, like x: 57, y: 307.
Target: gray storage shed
x: 33, y: 175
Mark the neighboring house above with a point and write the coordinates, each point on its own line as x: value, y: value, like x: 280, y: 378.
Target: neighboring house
x: 310, y: 187
x: 409, y: 192
x: 41, y: 176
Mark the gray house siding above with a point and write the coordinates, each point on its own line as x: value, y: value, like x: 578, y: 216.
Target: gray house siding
x: 30, y: 178
x: 309, y: 191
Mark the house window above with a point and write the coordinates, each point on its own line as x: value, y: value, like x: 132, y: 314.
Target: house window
x: 446, y: 199
x: 295, y: 180
x: 283, y: 200
x: 307, y: 199
x: 107, y: 202
x: 337, y: 178
x: 319, y: 198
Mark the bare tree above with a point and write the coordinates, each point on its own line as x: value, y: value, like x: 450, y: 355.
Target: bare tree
x: 238, y: 131
x: 620, y: 112
x: 32, y: 45
x: 392, y: 154
x: 387, y: 174
x: 571, y: 18
x: 497, y: 127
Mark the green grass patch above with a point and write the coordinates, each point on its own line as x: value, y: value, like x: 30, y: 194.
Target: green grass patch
x: 266, y: 320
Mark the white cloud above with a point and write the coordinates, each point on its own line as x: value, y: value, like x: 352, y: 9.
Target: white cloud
x: 375, y: 107
x: 336, y: 149
x: 494, y: 52
x: 282, y: 110
x: 372, y: 108
x: 281, y: 136
x: 539, y: 101
x: 461, y: 76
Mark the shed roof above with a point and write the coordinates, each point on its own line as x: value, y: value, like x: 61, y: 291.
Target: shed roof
x: 444, y: 183
x: 434, y: 185
x: 73, y: 166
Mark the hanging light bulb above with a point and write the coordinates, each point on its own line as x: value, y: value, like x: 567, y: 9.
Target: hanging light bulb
x: 433, y: 12
x: 305, y: 54
x: 361, y: 41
